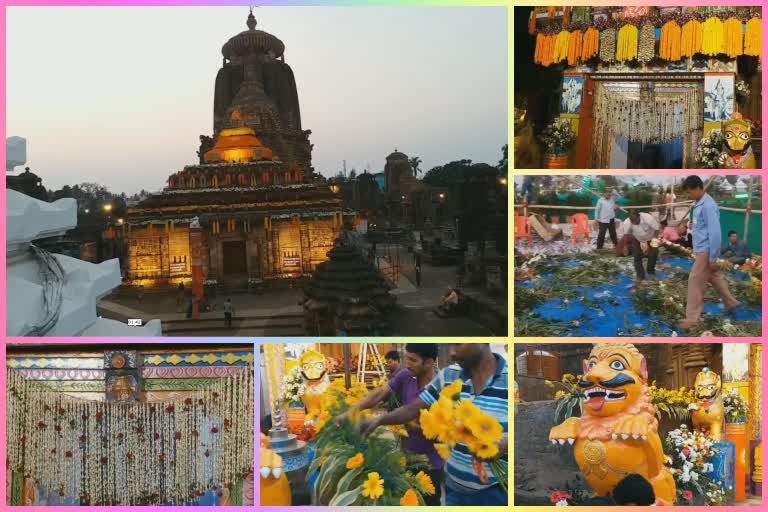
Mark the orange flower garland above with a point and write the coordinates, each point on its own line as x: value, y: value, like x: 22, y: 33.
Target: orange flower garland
x: 574, y: 47
x: 590, y: 44
x: 669, y: 44
x: 712, y: 42
x: 626, y: 48
x: 561, y: 46
x: 753, y: 38
x: 545, y: 49
x: 690, y: 40
x: 734, y: 42
x: 532, y: 21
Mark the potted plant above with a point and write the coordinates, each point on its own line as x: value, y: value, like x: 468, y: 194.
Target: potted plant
x: 557, y: 139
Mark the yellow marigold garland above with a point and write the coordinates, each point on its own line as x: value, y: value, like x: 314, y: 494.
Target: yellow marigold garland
x: 626, y: 48
x: 561, y: 46
x: 574, y: 47
x: 734, y: 42
x: 590, y: 44
x: 545, y: 49
x: 669, y: 43
x: 712, y: 42
x: 753, y: 38
x: 690, y: 39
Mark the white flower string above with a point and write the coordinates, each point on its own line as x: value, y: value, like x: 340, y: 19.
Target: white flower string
x: 131, y: 453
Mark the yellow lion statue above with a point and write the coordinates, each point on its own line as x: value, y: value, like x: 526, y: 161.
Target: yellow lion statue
x: 617, y: 434
x: 314, y: 370
x: 708, y: 413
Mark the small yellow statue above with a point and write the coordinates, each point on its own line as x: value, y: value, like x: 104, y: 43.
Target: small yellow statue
x: 274, y: 487
x: 314, y: 369
x: 617, y: 434
x: 708, y: 412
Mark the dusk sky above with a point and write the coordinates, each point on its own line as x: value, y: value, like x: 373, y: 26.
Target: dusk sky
x: 120, y: 96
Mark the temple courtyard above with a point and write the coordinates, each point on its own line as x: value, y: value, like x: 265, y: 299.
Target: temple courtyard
x: 276, y: 310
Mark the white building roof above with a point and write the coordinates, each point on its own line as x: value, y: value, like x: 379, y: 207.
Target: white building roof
x: 82, y: 283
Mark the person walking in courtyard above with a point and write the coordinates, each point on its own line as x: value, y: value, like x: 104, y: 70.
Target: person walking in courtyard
x: 706, y: 250
x: 417, y: 269
x: 228, y: 313
x: 605, y: 214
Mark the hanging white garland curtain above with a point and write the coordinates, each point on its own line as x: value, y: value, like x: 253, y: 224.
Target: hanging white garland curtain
x: 131, y: 453
x: 665, y: 117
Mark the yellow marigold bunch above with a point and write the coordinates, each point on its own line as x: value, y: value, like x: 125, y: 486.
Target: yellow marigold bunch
x: 733, y: 38
x: 712, y: 42
x: 561, y: 46
x: 690, y: 39
x: 753, y: 38
x: 626, y: 48
x: 453, y: 421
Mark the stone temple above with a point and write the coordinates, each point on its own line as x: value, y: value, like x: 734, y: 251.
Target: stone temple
x: 252, y: 189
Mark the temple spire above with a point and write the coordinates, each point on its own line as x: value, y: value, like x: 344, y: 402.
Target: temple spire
x: 251, y: 20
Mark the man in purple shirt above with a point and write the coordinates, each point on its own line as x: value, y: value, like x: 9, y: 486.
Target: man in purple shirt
x: 407, y: 385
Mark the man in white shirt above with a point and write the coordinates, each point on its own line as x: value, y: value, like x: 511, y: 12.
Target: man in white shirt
x: 639, y: 230
x: 605, y: 215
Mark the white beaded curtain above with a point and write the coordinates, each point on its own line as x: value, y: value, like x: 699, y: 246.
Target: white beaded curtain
x: 131, y: 453
x: 672, y: 113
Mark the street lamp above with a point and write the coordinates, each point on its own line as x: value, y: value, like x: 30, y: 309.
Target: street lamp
x: 107, y: 208
x: 120, y: 221
x: 441, y: 195
x: 87, y: 211
x: 503, y: 181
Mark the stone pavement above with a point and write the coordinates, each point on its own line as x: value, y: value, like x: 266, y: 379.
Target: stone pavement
x: 278, y: 313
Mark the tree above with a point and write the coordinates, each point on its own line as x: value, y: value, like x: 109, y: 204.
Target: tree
x: 415, y: 162
x: 504, y: 160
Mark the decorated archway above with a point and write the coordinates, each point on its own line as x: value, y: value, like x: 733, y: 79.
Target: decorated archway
x: 637, y: 118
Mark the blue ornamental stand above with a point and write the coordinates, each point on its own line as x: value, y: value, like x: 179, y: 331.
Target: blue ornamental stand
x: 724, y: 467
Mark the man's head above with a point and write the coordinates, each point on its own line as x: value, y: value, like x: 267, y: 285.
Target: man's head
x: 694, y: 187
x: 634, y: 490
x: 607, y: 193
x: 733, y: 237
x: 420, y: 358
x: 664, y: 223
x: 392, y: 359
x: 634, y: 216
x: 469, y: 355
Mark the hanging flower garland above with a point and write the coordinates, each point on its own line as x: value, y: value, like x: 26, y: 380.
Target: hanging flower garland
x: 712, y: 37
x: 647, y: 43
x: 734, y: 38
x: 574, y: 47
x: 545, y: 49
x: 626, y: 48
x: 131, y: 453
x: 561, y: 46
x: 690, y: 38
x: 608, y: 45
x: 590, y: 44
x: 669, y: 43
x: 753, y: 38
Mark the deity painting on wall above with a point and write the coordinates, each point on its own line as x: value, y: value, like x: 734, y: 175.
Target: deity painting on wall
x: 718, y: 97
x: 570, y: 102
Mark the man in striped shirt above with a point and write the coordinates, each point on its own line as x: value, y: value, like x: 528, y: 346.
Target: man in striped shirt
x: 485, y: 382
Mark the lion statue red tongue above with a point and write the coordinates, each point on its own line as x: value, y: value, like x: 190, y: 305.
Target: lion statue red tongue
x: 617, y: 433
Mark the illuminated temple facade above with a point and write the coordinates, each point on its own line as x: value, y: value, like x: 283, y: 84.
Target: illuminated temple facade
x: 252, y: 190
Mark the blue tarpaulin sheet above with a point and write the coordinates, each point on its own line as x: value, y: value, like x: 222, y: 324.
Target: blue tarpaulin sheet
x: 608, y: 310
